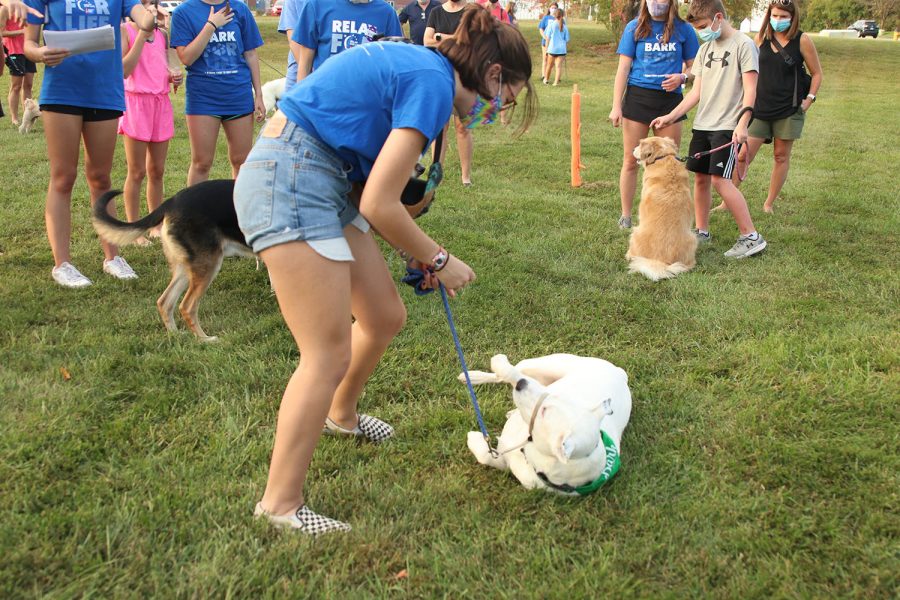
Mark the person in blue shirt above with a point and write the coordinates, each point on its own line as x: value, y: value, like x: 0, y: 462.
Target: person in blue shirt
x: 656, y: 52
x: 542, y: 24
x: 82, y: 98
x: 364, y: 117
x: 287, y: 22
x: 328, y: 27
x: 217, y: 41
x: 556, y: 34
x: 416, y: 13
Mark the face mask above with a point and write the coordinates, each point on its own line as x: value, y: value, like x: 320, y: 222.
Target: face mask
x: 707, y: 34
x: 780, y: 24
x: 658, y: 9
x: 484, y: 113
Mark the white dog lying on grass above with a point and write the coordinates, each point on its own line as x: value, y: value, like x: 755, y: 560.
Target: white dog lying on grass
x: 566, y: 430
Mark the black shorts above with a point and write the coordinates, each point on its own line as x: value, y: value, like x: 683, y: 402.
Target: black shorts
x: 720, y: 162
x: 19, y: 65
x: 642, y: 105
x: 88, y: 115
x: 224, y: 118
x: 555, y: 55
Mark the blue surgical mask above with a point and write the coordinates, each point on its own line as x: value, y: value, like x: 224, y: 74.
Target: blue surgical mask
x: 707, y: 34
x: 657, y: 9
x: 484, y: 112
x: 780, y: 25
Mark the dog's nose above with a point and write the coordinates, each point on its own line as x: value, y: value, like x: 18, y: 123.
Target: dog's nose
x: 520, y: 385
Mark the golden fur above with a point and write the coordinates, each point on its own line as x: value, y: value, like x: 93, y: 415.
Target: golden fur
x: 662, y: 245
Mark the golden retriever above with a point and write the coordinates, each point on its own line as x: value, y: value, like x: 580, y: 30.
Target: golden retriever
x: 662, y: 245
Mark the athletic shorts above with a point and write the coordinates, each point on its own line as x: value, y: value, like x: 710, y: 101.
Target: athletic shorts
x: 642, y: 105
x: 721, y: 162
x: 555, y: 55
x: 19, y: 66
x: 89, y: 115
x: 292, y: 188
x: 788, y: 128
x: 148, y: 117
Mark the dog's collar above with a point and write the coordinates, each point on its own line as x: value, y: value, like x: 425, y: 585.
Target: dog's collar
x: 534, y: 414
x: 673, y: 154
x: 610, y: 468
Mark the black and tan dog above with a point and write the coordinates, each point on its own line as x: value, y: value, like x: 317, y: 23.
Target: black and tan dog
x: 199, y: 229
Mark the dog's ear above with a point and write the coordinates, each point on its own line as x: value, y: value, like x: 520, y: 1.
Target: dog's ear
x: 563, y: 446
x: 647, y: 151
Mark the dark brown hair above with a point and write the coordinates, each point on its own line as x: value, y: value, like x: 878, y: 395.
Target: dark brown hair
x: 561, y: 17
x: 767, y: 32
x: 481, y: 41
x: 705, y: 9
x: 645, y: 27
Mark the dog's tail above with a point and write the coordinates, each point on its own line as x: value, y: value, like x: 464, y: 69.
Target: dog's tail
x: 656, y: 269
x: 118, y: 232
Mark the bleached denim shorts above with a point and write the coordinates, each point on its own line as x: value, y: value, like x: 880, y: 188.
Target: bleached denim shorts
x: 293, y: 187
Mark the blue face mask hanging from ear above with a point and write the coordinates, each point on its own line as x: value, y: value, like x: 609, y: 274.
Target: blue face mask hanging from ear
x: 485, y: 112
x: 707, y: 34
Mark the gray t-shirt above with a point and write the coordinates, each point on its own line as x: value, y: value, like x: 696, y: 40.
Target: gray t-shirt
x: 719, y: 66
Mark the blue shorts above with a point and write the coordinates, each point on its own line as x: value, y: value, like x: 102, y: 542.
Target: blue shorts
x: 295, y: 188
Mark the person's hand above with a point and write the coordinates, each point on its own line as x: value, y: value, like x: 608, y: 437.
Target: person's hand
x: 19, y: 11
x: 740, y: 134
x: 804, y: 106
x: 176, y: 77
x: 53, y: 56
x: 615, y: 116
x: 221, y: 18
x: 455, y: 275
x: 672, y: 82
x: 148, y: 19
x: 259, y: 108
x: 663, y: 121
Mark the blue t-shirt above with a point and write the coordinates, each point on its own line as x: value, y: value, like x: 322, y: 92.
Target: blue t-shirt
x: 218, y: 83
x: 355, y: 99
x: 332, y: 26
x: 417, y: 18
x: 653, y: 58
x: 556, y: 45
x: 543, y: 23
x: 94, y: 79
x: 290, y: 15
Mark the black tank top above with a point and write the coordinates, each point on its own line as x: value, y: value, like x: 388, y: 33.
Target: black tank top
x: 775, y: 87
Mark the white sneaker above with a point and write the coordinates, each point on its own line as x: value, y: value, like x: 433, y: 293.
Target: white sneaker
x: 118, y: 268
x: 68, y: 276
x: 745, y: 247
x: 303, y: 519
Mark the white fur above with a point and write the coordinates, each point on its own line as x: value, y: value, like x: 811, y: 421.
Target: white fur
x: 582, y: 396
x: 272, y: 91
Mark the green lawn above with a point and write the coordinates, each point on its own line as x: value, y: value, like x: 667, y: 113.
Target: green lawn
x: 762, y: 455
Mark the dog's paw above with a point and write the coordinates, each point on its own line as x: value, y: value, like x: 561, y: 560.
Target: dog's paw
x: 478, y: 446
x: 505, y: 371
x: 209, y: 339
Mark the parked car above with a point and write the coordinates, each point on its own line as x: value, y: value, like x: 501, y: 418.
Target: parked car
x: 169, y: 5
x: 863, y: 28
x: 275, y: 9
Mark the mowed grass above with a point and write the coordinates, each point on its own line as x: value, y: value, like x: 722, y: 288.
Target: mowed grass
x: 761, y: 458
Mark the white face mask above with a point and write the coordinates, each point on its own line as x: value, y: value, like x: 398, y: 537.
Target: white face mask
x: 657, y: 9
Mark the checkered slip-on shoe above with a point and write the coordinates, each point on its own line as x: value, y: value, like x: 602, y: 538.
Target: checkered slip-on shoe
x: 369, y: 428
x: 304, y: 520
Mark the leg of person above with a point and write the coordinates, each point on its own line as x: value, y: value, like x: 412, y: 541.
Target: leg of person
x: 380, y: 315
x: 702, y: 201
x: 632, y: 133
x: 543, y: 62
x: 156, y: 169
x: 557, y: 65
x: 548, y: 66
x: 750, y: 241
x: 63, y: 135
x: 99, y: 150
x: 203, y: 131
x: 314, y: 296
x: 673, y: 131
x: 466, y: 146
x: 15, y: 93
x: 745, y: 158
x: 782, y: 156
x: 239, y: 133
x: 27, y: 86
x: 136, y: 157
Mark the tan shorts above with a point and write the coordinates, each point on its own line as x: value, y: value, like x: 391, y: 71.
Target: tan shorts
x: 788, y: 128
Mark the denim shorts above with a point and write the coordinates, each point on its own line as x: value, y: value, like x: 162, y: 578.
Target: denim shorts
x: 295, y: 188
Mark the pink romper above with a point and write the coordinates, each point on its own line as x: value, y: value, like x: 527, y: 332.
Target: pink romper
x: 148, y: 111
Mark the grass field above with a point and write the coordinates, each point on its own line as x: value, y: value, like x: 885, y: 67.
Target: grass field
x: 762, y: 455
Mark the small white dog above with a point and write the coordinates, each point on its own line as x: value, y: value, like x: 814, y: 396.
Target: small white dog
x: 30, y: 115
x: 566, y: 430
x: 272, y: 91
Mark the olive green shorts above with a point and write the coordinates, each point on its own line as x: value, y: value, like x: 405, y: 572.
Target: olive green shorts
x: 788, y: 128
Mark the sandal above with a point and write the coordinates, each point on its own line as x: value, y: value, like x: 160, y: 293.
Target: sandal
x: 369, y: 428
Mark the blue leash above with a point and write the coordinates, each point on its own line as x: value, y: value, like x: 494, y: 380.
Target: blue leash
x: 416, y: 278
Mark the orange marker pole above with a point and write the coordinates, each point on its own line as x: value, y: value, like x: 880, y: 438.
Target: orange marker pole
x: 576, y: 137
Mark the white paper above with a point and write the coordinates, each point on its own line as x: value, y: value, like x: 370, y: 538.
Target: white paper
x: 80, y: 41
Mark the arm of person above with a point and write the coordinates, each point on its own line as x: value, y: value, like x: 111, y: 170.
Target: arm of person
x: 673, y: 81
x: 748, y: 81
x: 305, y: 57
x: 429, y: 39
x: 687, y: 103
x: 811, y: 58
x: 259, y: 107
x: 18, y: 11
x: 380, y: 205
x: 144, y: 17
x: 190, y: 53
x: 615, y: 115
x: 131, y: 55
x: 37, y: 53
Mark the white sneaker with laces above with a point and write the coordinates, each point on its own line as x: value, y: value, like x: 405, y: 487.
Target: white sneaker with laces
x: 118, y: 268
x: 68, y: 276
x: 304, y: 520
x: 745, y: 247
